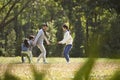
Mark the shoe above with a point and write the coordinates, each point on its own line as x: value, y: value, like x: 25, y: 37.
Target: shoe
x: 38, y: 60
x: 68, y: 62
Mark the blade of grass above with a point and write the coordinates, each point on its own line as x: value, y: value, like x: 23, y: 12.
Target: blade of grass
x: 116, y: 76
x: 84, y: 72
x: 8, y: 75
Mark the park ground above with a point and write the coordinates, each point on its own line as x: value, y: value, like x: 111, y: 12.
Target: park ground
x: 57, y: 68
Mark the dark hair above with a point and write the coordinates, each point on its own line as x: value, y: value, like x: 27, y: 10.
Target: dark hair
x: 45, y: 24
x: 26, y: 43
x: 65, y: 26
x: 31, y: 37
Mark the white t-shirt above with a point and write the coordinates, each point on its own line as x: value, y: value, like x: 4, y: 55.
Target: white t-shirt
x: 67, y: 38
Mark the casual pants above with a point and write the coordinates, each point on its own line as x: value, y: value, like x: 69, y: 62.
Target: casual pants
x: 27, y: 54
x: 43, y: 52
x: 66, y: 51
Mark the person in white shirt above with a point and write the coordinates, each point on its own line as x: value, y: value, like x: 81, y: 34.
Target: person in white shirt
x: 39, y: 39
x: 68, y: 40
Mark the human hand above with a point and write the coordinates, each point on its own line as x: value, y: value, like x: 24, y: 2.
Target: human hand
x: 59, y: 42
x: 48, y: 43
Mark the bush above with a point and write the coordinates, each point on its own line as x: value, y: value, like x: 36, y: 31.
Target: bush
x: 2, y: 52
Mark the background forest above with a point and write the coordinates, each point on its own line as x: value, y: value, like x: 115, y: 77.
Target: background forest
x: 89, y: 21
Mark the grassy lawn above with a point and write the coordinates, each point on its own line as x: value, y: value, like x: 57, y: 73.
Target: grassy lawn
x: 57, y: 68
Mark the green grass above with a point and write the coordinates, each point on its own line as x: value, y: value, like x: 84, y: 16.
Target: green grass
x: 57, y: 69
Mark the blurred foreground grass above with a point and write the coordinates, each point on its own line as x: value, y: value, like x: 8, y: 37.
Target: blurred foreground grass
x: 11, y: 68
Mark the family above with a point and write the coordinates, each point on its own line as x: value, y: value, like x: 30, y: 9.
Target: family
x: 28, y: 44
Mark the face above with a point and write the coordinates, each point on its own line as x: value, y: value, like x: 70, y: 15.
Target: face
x: 64, y: 29
x: 45, y: 28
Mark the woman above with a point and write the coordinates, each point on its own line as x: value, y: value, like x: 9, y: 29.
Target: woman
x: 41, y: 36
x: 68, y: 40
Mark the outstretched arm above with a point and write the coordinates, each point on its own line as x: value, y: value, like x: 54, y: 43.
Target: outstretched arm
x: 66, y: 37
x: 47, y: 41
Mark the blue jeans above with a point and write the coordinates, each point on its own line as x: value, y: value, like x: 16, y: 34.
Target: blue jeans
x: 66, y: 51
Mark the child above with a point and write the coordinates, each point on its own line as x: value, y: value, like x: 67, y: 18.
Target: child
x: 31, y: 39
x: 68, y: 41
x: 26, y: 49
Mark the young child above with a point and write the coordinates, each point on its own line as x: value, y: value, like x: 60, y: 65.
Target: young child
x: 68, y: 40
x: 26, y: 49
x: 31, y: 39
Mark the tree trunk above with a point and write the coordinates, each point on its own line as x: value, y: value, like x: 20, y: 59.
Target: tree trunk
x: 77, y: 50
x: 18, y: 35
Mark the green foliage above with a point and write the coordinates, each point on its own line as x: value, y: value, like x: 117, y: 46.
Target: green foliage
x: 84, y: 72
x: 85, y: 18
x: 2, y: 52
x: 116, y: 76
x: 77, y: 50
x: 93, y: 52
x: 111, y: 47
x: 59, y: 37
x: 37, y: 75
x: 11, y: 42
x: 8, y: 75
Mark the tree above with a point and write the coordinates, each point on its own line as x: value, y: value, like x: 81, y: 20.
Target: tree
x: 10, y: 43
x: 6, y: 19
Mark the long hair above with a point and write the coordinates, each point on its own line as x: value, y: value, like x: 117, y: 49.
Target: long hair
x: 31, y: 37
x: 26, y: 43
x: 66, y: 27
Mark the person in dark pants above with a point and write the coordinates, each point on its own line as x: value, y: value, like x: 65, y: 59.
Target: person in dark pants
x: 68, y: 40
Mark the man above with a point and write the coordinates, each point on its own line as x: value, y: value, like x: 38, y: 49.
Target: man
x: 39, y: 39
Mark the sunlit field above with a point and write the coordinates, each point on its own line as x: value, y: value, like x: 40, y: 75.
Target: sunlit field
x: 57, y: 68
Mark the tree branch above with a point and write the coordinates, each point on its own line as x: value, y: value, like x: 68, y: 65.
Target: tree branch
x: 11, y: 8
x: 5, y: 5
x: 2, y: 25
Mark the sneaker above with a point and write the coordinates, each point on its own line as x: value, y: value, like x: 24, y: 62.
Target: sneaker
x: 38, y: 60
x: 45, y: 62
x: 68, y: 62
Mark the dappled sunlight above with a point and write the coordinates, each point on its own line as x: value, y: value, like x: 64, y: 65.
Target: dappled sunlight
x: 59, y: 69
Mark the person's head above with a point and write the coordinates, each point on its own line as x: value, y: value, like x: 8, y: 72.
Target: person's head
x: 65, y: 27
x: 31, y: 37
x: 26, y: 43
x: 44, y: 26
